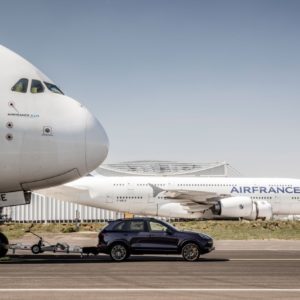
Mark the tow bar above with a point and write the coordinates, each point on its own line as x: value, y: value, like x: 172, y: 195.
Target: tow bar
x: 43, y: 246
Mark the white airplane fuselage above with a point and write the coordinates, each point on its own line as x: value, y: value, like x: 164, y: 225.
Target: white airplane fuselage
x: 136, y: 196
x: 46, y: 137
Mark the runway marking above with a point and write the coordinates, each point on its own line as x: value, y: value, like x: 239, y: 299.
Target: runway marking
x: 148, y: 290
x: 264, y: 259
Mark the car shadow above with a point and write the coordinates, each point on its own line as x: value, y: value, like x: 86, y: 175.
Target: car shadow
x: 76, y: 259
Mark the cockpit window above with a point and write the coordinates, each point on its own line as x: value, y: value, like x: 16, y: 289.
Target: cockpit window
x: 53, y: 88
x: 20, y: 86
x: 36, y: 87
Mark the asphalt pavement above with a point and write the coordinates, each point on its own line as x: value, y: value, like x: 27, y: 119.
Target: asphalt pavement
x: 223, y: 274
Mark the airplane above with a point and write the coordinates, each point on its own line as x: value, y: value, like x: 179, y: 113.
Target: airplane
x: 185, y: 197
x: 47, y: 138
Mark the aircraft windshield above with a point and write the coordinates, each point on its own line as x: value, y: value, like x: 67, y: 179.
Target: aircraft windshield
x: 36, y: 87
x: 21, y: 86
x: 53, y: 88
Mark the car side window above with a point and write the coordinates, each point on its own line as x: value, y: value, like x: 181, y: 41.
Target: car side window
x: 20, y: 86
x: 157, y: 227
x: 120, y: 226
x: 136, y: 226
x: 36, y: 86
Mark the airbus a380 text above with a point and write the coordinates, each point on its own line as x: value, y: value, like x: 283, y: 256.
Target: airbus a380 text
x: 186, y: 197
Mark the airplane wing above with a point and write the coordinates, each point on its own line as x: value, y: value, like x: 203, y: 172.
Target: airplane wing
x: 192, y: 201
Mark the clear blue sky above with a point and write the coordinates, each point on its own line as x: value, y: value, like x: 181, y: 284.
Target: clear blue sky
x: 175, y: 80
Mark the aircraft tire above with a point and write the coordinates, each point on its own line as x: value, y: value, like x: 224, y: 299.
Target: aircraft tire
x: 3, y: 245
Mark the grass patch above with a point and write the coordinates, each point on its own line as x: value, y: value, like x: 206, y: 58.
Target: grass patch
x: 244, y: 230
x: 18, y: 230
x: 220, y: 230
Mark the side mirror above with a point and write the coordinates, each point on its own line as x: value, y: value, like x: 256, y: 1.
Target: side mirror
x: 169, y: 231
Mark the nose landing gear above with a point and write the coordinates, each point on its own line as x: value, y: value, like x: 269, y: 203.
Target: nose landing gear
x: 3, y: 244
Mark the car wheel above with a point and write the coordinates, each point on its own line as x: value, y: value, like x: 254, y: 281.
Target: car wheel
x: 3, y: 245
x: 190, y: 252
x: 118, y: 252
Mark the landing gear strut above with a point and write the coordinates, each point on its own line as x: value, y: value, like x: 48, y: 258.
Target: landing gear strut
x: 3, y: 245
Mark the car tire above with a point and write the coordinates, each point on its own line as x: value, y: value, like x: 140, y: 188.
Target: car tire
x: 190, y: 252
x: 119, y: 252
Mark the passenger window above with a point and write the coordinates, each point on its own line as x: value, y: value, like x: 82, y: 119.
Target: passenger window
x: 53, y: 88
x: 36, y: 87
x: 20, y: 86
x: 120, y: 226
x: 136, y: 226
x: 130, y: 226
x: 158, y: 227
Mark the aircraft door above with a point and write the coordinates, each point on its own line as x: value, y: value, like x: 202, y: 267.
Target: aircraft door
x: 108, y: 198
x: 296, y: 206
x: 285, y: 205
x: 130, y: 187
x: 135, y: 193
x: 150, y: 198
x: 282, y: 205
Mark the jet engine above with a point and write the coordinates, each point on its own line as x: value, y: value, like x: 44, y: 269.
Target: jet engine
x: 243, y: 207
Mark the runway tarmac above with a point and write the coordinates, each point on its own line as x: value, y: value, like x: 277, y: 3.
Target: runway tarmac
x: 223, y: 274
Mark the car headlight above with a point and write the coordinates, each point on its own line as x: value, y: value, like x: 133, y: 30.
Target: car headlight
x: 205, y: 237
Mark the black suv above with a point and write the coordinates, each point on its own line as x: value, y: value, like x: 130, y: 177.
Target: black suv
x: 123, y: 237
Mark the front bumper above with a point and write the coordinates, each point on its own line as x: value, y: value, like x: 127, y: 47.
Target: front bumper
x: 207, y: 250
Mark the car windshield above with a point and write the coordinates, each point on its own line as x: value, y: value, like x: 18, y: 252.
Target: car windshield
x: 53, y: 88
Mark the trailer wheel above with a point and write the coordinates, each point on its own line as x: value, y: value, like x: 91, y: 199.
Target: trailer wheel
x: 36, y: 249
x: 3, y: 245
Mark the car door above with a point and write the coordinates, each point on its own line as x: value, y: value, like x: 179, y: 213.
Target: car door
x: 162, y: 239
x: 138, y: 235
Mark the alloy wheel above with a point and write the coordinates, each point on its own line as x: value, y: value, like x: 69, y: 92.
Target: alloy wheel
x: 190, y: 252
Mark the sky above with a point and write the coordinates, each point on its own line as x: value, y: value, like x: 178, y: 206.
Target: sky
x: 185, y: 80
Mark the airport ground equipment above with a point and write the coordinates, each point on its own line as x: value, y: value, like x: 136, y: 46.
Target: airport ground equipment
x: 43, y: 246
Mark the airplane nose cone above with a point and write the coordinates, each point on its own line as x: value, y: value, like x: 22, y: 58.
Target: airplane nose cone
x: 96, y: 143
